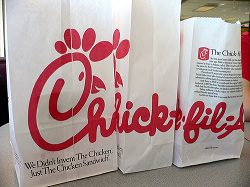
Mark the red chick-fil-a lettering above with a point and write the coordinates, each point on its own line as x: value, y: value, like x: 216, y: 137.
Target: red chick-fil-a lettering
x: 198, y: 119
x: 155, y: 118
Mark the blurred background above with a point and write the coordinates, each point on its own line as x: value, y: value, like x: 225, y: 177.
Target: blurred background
x: 230, y: 11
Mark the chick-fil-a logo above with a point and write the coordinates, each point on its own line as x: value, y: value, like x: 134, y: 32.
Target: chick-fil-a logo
x: 203, y: 53
x: 156, y: 118
x: 200, y: 118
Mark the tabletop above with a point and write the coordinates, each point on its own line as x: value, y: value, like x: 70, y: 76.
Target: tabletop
x: 229, y: 173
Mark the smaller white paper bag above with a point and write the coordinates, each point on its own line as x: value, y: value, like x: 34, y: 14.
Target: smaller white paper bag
x: 209, y: 125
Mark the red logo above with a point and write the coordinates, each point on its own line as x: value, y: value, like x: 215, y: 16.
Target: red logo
x: 203, y: 53
x: 158, y: 117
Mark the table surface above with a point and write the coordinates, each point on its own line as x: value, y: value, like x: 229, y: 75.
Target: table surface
x: 229, y: 173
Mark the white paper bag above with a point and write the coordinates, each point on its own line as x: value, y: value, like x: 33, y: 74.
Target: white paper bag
x: 61, y: 88
x: 146, y: 85
x: 210, y: 116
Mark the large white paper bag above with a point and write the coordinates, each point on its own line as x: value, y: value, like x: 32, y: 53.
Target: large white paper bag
x: 61, y: 88
x: 210, y: 114
x: 146, y: 85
